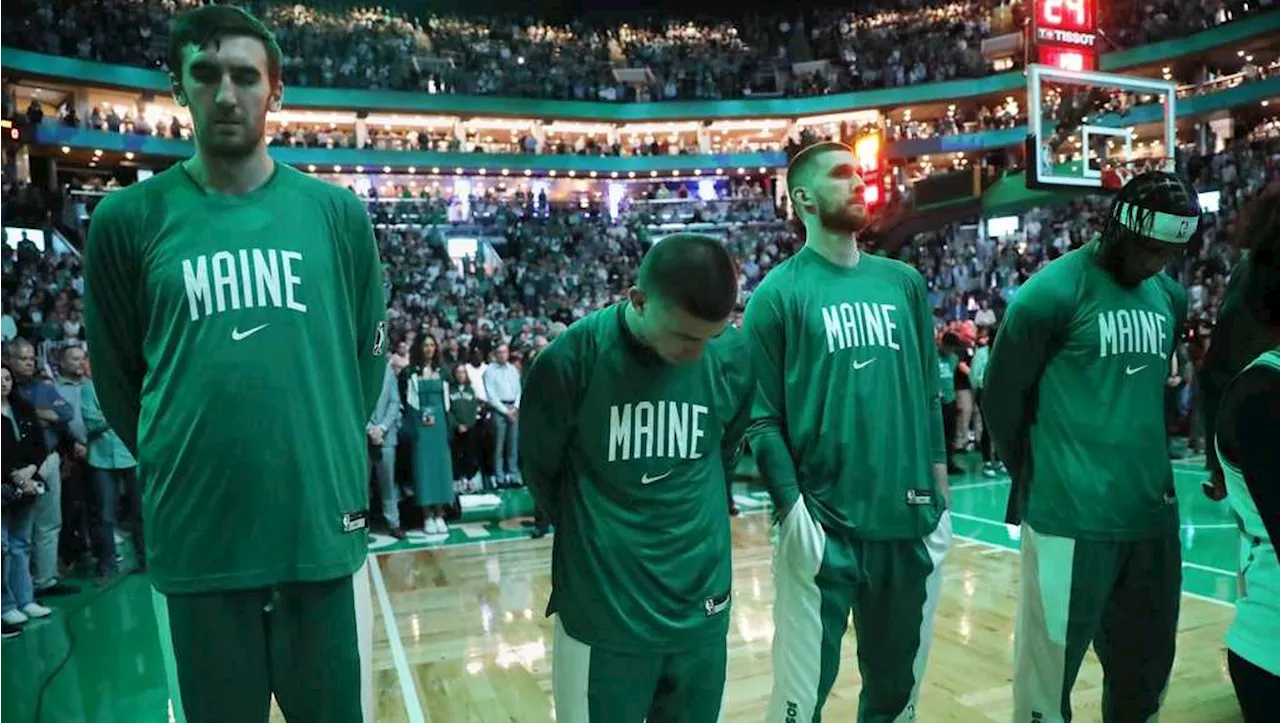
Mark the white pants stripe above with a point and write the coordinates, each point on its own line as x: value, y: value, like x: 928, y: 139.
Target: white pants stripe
x: 1040, y: 642
x: 797, y: 617
x: 570, y: 677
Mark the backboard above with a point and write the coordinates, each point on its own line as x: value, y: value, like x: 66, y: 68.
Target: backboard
x: 1085, y: 125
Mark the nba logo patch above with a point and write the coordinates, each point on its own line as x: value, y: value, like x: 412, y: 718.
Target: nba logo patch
x: 919, y: 497
x: 380, y: 338
x: 715, y: 606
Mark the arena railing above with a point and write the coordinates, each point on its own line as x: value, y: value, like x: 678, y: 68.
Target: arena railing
x: 19, y: 63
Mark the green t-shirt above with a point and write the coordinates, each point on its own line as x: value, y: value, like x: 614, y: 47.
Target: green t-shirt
x: 238, y: 352
x: 947, y: 365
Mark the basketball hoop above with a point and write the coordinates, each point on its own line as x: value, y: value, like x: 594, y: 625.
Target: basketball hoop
x: 1116, y: 175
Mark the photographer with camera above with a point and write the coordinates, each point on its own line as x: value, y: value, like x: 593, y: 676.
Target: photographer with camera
x: 23, y: 453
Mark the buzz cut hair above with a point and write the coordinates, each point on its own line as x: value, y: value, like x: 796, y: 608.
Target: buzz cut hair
x: 210, y: 24
x: 801, y: 163
x: 693, y: 271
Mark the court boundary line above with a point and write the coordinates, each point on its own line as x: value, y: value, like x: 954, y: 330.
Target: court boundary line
x: 408, y: 688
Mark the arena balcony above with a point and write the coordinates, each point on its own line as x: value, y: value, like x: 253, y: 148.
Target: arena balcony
x: 920, y: 126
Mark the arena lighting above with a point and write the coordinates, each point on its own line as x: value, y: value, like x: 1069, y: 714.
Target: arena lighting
x: 129, y: 155
x: 97, y: 151
x: 311, y: 169
x: 483, y: 171
x: 337, y: 169
x: 359, y: 169
x: 763, y: 170
x: 386, y: 169
x: 697, y: 171
x: 505, y: 172
x: 551, y: 173
x: 412, y: 169
x: 653, y: 174
x: 458, y: 171
x: 867, y: 150
x: 593, y: 174
x: 742, y: 171
x: 719, y: 171
x: 675, y: 173
x: 528, y: 172
x: 613, y: 175
x: 66, y: 149
x: 631, y: 174
x: 573, y: 174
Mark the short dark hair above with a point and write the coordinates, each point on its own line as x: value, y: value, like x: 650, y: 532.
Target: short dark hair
x: 694, y: 272
x: 802, y: 162
x: 211, y: 23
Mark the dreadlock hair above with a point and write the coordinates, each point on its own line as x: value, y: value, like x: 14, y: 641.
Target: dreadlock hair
x: 1148, y: 193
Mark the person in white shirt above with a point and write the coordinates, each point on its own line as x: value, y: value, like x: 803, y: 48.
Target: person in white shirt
x: 502, y: 390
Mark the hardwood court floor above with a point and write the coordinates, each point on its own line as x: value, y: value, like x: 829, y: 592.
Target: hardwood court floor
x: 476, y: 646
x: 464, y: 640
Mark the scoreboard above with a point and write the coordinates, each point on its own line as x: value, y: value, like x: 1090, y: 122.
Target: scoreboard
x: 1064, y: 33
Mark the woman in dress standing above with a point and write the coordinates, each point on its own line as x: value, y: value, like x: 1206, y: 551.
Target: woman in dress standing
x: 426, y: 395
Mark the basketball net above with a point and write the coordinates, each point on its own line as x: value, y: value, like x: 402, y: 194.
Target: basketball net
x: 1116, y: 175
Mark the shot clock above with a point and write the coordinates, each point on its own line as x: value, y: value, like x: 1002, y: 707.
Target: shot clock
x: 1065, y: 33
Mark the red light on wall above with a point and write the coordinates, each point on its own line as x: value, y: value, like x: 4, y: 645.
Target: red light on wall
x: 871, y: 195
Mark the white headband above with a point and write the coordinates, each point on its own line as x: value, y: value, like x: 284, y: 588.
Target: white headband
x: 1167, y: 227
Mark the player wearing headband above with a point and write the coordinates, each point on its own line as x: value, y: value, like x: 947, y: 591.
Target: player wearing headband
x: 1076, y: 409
x: 847, y: 432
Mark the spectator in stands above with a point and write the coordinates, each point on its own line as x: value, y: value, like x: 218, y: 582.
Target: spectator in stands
x: 384, y: 436
x: 24, y: 455
x: 114, y: 470
x: 464, y: 413
x: 426, y: 401
x: 54, y: 414
x: 502, y: 387
x: 76, y: 543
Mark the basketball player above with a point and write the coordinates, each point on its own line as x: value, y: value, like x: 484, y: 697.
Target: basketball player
x: 234, y: 307
x: 1238, y: 338
x: 630, y: 414
x: 1248, y: 425
x: 1075, y: 402
x: 847, y: 433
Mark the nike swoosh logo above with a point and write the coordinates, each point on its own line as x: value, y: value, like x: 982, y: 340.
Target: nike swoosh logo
x: 862, y: 364
x: 1130, y: 371
x: 645, y: 479
x: 237, y: 335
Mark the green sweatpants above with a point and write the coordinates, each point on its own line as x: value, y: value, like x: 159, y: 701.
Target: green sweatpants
x: 594, y: 685
x: 890, y: 586
x: 1122, y: 597
x: 308, y: 644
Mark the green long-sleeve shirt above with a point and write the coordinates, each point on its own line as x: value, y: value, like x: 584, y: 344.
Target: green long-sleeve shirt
x: 1074, y: 400
x: 625, y: 454
x: 237, y: 347
x: 847, y: 410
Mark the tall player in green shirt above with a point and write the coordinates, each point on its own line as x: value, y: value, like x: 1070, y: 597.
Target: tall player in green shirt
x: 235, y: 307
x: 847, y: 432
x: 630, y: 416
x: 1075, y: 405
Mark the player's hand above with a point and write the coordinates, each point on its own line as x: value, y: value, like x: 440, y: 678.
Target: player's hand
x: 1174, y: 381
x: 1215, y: 487
x: 79, y: 451
x: 375, y: 436
x: 943, y: 481
x: 47, y: 415
x: 462, y: 428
